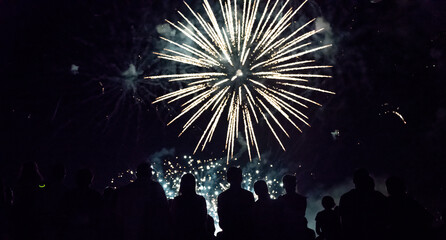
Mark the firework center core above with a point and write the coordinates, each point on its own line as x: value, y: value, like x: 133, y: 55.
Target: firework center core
x: 238, y: 73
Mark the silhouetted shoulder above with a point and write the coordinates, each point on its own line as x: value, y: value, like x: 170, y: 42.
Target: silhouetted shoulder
x: 320, y: 216
x: 223, y: 195
x: 241, y: 194
x: 248, y: 194
x: 347, y: 198
x: 122, y: 191
x: 157, y: 187
x: 378, y: 194
x: 349, y: 194
x: 198, y: 198
x: 201, y: 200
x: 294, y: 197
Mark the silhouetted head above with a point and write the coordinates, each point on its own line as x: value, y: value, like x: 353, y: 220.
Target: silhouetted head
x: 30, y: 174
x: 289, y: 183
x: 261, y: 189
x: 187, y: 185
x: 234, y: 176
x: 328, y: 202
x: 361, y: 179
x: 395, y: 186
x: 58, y: 173
x: 370, y: 184
x: 144, y: 171
x: 305, y: 222
x: 84, y: 177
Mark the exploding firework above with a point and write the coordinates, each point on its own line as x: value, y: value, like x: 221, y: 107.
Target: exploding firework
x: 248, y: 68
x: 110, y: 57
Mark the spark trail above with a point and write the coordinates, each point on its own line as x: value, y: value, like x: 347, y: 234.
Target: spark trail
x: 248, y: 69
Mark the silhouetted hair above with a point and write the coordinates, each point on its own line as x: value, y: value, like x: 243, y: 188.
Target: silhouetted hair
x: 395, y: 186
x: 260, y: 188
x: 289, y: 182
x: 144, y: 170
x: 30, y: 174
x: 234, y: 175
x: 84, y: 177
x: 187, y: 185
x: 362, y: 180
x: 328, y: 202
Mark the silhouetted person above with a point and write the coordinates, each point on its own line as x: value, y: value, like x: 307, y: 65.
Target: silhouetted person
x: 328, y: 225
x: 26, y: 209
x: 362, y: 209
x: 308, y: 233
x: 189, y: 213
x: 407, y: 219
x: 83, y: 206
x: 440, y: 233
x: 108, y: 228
x: 142, y: 209
x: 4, y: 213
x: 53, y: 202
x: 235, y: 208
x: 263, y: 213
x: 291, y: 208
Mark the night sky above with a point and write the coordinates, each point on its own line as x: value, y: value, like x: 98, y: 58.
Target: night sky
x: 63, y: 97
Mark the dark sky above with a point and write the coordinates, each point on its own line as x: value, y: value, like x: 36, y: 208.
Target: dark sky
x: 387, y: 56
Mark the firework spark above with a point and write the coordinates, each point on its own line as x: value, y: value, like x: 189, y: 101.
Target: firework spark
x: 247, y: 69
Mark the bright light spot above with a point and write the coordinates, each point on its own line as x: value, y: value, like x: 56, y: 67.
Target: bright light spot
x: 74, y: 69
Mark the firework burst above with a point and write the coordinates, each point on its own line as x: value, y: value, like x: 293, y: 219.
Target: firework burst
x: 248, y: 69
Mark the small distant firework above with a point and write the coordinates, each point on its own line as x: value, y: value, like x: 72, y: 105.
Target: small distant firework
x: 113, y: 55
x: 335, y: 134
x: 248, y: 68
x: 390, y: 110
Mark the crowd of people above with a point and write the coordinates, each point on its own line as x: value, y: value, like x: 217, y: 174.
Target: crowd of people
x: 40, y: 210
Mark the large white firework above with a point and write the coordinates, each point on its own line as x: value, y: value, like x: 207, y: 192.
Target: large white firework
x: 248, y: 66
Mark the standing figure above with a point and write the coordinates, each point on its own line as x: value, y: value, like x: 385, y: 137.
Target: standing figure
x: 235, y: 208
x: 362, y: 209
x: 27, y: 195
x: 407, y: 219
x: 292, y: 207
x: 141, y: 208
x: 328, y: 225
x: 265, y: 220
x: 189, y: 213
x: 83, y: 205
